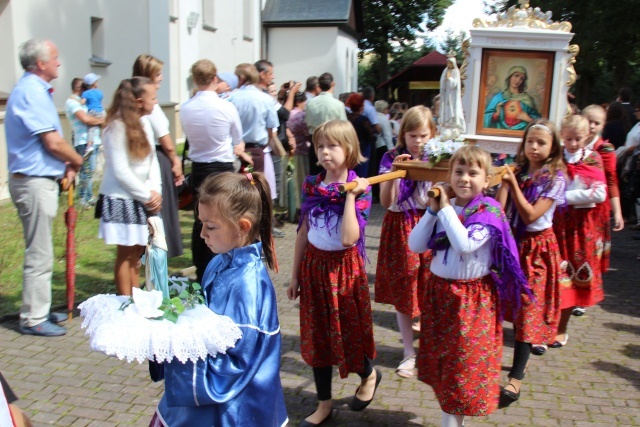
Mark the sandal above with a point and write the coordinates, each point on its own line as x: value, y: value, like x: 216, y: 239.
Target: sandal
x: 415, y: 326
x: 407, y: 367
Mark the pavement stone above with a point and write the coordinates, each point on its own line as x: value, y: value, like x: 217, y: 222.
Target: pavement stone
x: 593, y: 381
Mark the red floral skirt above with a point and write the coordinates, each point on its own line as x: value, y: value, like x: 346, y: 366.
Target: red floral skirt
x: 581, y: 234
x: 537, y: 319
x: 461, y: 344
x: 604, y: 212
x: 399, y: 271
x: 336, y: 327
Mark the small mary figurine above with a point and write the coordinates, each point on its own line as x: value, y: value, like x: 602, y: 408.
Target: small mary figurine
x: 451, y: 114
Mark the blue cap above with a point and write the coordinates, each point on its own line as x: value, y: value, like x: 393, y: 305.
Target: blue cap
x: 91, y: 78
x: 229, y: 78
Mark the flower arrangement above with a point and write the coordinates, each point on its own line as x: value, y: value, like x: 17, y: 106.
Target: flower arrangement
x: 440, y: 148
x: 152, y: 304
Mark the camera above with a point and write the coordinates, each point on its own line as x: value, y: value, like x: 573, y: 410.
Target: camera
x: 287, y: 84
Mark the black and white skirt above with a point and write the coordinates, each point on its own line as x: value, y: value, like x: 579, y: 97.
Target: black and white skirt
x: 122, y: 221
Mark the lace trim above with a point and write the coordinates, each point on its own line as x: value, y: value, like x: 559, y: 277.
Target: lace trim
x: 198, y: 333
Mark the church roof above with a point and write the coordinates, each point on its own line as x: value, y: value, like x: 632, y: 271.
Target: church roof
x: 313, y: 13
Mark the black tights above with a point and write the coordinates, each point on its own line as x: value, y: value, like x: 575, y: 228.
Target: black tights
x: 521, y: 352
x: 322, y: 377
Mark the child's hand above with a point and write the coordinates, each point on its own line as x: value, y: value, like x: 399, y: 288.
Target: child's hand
x: 293, y: 290
x: 363, y: 183
x: 398, y: 159
x: 509, y: 178
x: 444, y: 195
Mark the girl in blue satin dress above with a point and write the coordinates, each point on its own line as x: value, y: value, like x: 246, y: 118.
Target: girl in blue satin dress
x: 241, y: 387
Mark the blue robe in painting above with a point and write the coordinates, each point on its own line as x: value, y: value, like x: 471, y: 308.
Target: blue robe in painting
x: 526, y: 103
x: 241, y: 387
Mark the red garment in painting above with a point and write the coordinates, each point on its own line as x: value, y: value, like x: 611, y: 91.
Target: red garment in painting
x: 336, y: 326
x: 461, y: 344
x: 399, y: 271
x: 581, y: 233
x: 537, y: 319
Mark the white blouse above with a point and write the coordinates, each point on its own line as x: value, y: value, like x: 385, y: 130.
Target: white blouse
x: 578, y: 193
x: 468, y: 257
x: 326, y: 237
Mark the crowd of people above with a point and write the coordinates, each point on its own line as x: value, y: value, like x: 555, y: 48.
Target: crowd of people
x: 453, y: 266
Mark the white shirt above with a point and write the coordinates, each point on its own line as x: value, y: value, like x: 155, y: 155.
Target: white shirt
x: 212, y: 126
x: 124, y: 177
x: 319, y: 236
x: 159, y: 123
x: 468, y: 257
x: 579, y: 194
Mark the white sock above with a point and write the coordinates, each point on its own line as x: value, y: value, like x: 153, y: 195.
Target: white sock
x: 451, y: 420
x: 406, y: 332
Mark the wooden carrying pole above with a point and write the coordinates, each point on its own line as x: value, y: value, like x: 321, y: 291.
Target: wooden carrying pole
x: 495, y: 177
x: 417, y: 170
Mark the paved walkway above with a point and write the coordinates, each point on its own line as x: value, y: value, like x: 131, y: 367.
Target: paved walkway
x: 593, y: 381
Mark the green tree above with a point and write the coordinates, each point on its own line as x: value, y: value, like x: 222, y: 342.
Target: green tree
x: 609, y: 43
x: 453, y: 43
x: 389, y: 21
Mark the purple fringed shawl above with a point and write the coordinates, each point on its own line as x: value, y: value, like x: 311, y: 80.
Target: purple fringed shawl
x: 407, y: 186
x: 485, y: 212
x: 327, y: 202
x: 540, y: 184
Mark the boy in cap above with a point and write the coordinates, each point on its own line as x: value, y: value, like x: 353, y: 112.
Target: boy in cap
x: 93, y: 98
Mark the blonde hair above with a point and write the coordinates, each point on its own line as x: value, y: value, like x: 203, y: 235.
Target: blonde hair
x: 469, y: 155
x: 594, y: 108
x: 147, y: 66
x: 203, y: 72
x: 342, y: 132
x: 235, y: 196
x: 415, y: 118
x: 247, y: 74
x: 575, y: 122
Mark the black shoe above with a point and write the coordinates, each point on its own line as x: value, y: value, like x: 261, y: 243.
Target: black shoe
x: 357, y: 404
x: 579, y: 311
x: 507, y: 397
x: 560, y: 344
x: 305, y: 423
x: 538, y: 349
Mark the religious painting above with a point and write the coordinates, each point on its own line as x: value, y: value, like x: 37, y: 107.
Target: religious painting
x: 515, y: 88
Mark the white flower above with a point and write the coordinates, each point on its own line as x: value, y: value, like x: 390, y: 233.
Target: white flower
x: 146, y: 303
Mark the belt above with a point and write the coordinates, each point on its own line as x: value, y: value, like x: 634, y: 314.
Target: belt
x: 253, y: 145
x: 21, y: 176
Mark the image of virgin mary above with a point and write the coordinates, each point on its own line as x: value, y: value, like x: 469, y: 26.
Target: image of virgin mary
x: 513, y: 108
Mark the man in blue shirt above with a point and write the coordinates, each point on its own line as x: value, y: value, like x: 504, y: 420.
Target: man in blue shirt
x: 258, y: 117
x: 38, y: 157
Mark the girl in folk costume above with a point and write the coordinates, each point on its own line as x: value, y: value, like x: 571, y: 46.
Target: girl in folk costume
x: 328, y: 271
x: 242, y: 386
x: 580, y: 227
x: 596, y: 116
x: 535, y: 190
x: 474, y: 270
x: 400, y: 272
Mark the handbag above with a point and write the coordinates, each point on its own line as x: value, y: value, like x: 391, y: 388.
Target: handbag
x: 186, y: 192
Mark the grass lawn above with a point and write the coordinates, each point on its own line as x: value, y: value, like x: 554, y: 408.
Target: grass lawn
x: 94, y: 263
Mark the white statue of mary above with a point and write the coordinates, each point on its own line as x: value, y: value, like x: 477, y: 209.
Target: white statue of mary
x: 451, y: 114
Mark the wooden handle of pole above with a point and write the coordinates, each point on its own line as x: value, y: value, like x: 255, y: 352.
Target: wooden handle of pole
x: 434, y: 193
x: 374, y: 180
x: 495, y: 178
